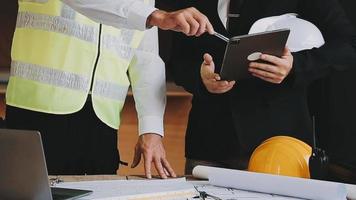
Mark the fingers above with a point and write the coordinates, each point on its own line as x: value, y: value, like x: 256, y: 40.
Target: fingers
x: 168, y: 168
x: 210, y: 28
x: 137, y: 158
x: 202, y: 26
x: 182, y: 24
x: 219, y: 87
x: 159, y: 168
x: 192, y: 22
x: 147, y: 164
x: 189, y: 21
x: 205, y: 24
x: 161, y: 164
x: 272, y: 59
x: 267, y: 72
x: 152, y: 148
x: 254, y: 66
x: 275, y: 69
x: 267, y: 76
x: 193, y: 25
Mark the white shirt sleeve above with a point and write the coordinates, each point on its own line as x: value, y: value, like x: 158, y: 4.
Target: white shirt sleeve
x: 130, y: 14
x: 148, y: 83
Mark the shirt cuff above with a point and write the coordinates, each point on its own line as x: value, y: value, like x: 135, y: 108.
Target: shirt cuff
x: 150, y: 124
x: 138, y: 14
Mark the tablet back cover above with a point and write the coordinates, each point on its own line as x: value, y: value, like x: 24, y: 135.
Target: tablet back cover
x: 235, y: 63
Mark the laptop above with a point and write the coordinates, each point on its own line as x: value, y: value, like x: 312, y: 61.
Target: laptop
x: 23, y: 170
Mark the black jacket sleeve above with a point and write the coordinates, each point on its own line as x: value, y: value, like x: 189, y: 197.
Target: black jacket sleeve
x: 183, y: 65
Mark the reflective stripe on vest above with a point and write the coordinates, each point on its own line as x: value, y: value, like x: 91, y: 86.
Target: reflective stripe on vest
x: 49, y: 76
x: 57, y: 24
x: 54, y: 53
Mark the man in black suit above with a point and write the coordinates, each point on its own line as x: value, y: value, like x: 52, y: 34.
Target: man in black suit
x: 332, y: 102
x: 228, y: 120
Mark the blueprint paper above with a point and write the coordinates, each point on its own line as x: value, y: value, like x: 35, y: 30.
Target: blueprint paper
x: 234, y: 194
x: 135, y: 189
x: 266, y: 183
x: 171, y: 189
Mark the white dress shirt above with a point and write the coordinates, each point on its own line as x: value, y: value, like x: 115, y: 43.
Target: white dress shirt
x: 146, y: 71
x: 130, y: 14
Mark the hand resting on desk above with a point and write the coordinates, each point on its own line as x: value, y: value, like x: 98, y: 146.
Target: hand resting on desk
x: 151, y: 147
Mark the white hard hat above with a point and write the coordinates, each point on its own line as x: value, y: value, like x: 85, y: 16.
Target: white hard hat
x: 303, y: 34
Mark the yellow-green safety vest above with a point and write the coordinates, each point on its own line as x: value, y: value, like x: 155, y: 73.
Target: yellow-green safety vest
x: 59, y: 56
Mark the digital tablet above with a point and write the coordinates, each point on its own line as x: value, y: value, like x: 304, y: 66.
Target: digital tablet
x: 241, y: 50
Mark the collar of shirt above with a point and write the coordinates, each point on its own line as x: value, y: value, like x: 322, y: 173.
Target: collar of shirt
x: 222, y: 9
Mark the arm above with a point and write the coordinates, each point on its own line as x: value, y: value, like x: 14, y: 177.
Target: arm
x: 147, y: 76
x: 131, y: 14
x: 135, y: 14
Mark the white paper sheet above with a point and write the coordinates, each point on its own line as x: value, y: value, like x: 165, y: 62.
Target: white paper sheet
x: 135, y: 189
x: 234, y: 194
x: 265, y: 183
x: 351, y: 191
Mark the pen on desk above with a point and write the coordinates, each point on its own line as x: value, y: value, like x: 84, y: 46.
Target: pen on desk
x: 221, y: 36
x: 203, y: 195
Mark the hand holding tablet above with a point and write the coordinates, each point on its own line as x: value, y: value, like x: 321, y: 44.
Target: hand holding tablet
x: 272, y: 69
x: 262, y: 49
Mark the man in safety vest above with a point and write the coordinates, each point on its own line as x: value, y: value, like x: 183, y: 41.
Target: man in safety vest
x: 70, y: 74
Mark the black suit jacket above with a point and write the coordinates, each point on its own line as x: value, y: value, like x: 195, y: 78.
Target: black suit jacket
x: 223, y: 126
x: 333, y: 102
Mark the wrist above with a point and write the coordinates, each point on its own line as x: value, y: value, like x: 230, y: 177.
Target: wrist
x: 150, y: 135
x: 155, y: 18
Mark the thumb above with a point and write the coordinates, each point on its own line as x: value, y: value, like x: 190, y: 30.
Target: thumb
x: 210, y: 28
x: 208, y: 67
x: 208, y: 62
x: 208, y: 59
x: 137, y: 158
x: 286, y: 52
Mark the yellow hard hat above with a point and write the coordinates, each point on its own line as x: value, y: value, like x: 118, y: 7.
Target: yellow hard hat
x: 281, y: 155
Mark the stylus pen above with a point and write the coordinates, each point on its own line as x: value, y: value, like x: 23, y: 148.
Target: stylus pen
x: 221, y: 36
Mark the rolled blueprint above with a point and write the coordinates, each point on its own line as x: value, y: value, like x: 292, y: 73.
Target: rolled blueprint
x: 272, y: 184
